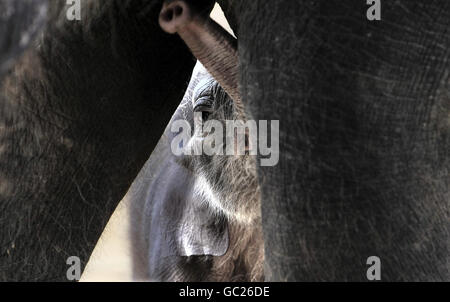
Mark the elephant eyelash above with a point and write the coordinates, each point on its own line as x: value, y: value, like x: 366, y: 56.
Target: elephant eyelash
x: 204, y: 104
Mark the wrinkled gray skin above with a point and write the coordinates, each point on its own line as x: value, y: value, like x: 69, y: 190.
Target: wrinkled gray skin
x: 197, y: 218
x: 364, y: 135
x: 364, y: 138
x: 80, y: 112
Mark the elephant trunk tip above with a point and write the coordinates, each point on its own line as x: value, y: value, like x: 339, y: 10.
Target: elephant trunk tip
x: 175, y: 15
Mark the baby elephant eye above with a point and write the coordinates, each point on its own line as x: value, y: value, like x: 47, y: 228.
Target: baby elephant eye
x: 204, y: 105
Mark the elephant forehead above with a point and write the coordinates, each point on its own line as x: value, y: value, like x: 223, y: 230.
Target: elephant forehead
x: 201, y: 80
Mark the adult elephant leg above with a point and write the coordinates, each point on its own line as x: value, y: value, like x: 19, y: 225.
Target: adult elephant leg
x: 364, y: 135
x: 79, y: 115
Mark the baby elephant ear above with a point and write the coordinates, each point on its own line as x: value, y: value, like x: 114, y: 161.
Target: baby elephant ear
x: 20, y: 22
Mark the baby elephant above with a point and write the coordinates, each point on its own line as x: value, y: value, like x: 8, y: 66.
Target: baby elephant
x: 200, y: 220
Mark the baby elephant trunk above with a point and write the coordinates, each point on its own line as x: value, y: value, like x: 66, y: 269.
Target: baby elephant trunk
x: 213, y: 46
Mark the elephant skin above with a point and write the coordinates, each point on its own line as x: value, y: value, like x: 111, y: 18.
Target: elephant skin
x: 80, y: 111
x: 364, y: 135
